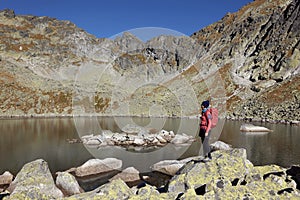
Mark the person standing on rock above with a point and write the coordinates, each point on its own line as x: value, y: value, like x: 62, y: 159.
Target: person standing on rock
x: 205, y: 127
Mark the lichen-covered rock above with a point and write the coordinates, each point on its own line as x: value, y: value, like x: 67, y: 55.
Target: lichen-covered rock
x: 229, y: 175
x: 67, y: 183
x: 227, y: 165
x: 150, y: 192
x: 113, y: 190
x: 34, y: 181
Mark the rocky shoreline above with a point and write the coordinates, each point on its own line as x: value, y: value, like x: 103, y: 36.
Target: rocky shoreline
x: 229, y: 175
x: 229, y: 117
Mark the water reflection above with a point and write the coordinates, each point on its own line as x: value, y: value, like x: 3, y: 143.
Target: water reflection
x: 24, y: 140
x: 278, y: 147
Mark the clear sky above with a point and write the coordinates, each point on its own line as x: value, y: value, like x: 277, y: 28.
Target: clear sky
x: 106, y: 18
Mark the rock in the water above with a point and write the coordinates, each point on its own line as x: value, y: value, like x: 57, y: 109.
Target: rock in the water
x: 34, y: 181
x: 129, y: 174
x: 97, y: 166
x: 253, y: 128
x: 67, y: 183
x: 182, y: 139
x: 6, y: 178
x: 138, y: 141
x: 219, y: 145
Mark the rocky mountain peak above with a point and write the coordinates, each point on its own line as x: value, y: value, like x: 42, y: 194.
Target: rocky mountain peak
x: 254, y: 52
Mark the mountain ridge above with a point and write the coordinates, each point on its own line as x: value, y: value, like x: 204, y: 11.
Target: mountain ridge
x: 241, y: 63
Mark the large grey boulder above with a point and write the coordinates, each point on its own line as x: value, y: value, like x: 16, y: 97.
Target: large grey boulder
x: 97, y: 166
x: 34, y: 181
x: 226, y: 164
x: 229, y: 175
x: 67, y: 183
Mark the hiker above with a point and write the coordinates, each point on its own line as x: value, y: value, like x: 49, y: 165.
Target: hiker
x: 205, y: 127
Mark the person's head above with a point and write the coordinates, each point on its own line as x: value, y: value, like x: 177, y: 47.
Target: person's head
x: 205, y: 104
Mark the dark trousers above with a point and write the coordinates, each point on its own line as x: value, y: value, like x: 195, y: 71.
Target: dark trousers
x: 205, y: 142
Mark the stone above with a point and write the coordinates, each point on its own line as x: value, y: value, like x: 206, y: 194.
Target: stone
x: 34, y: 181
x: 229, y: 175
x: 67, y: 183
x: 116, y: 189
x: 169, y: 167
x: 138, y: 141
x: 253, y: 128
x: 97, y: 166
x: 226, y: 164
x: 92, y: 142
x: 6, y: 178
x: 219, y: 145
x: 129, y: 174
x: 182, y: 139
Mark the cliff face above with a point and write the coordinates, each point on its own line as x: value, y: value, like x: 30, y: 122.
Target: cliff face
x: 248, y: 64
x: 260, y: 43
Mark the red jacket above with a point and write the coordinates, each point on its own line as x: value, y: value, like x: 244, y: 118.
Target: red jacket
x: 206, y: 120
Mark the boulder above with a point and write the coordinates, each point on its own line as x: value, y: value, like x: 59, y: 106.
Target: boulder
x: 161, y: 139
x: 219, y: 145
x: 6, y: 178
x: 253, y: 128
x: 116, y: 189
x: 168, y: 136
x: 229, y: 175
x: 182, y: 139
x: 150, y: 192
x: 169, y: 167
x: 226, y: 164
x: 129, y: 174
x: 97, y: 166
x: 138, y: 141
x: 67, y: 183
x: 34, y: 181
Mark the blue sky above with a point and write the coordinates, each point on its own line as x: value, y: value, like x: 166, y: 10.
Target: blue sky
x: 106, y: 18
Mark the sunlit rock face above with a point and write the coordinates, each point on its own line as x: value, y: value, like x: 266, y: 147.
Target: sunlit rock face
x: 247, y: 64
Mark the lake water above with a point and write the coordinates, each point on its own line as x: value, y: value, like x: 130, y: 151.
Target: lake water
x: 24, y: 140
